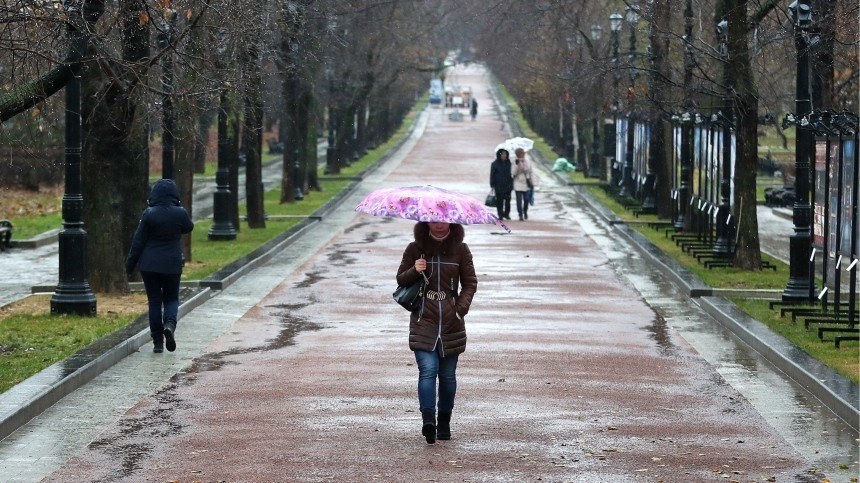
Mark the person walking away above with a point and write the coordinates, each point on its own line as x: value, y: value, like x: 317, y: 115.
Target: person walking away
x: 437, y: 329
x: 502, y: 183
x: 474, y: 109
x: 157, y: 252
x: 522, y: 175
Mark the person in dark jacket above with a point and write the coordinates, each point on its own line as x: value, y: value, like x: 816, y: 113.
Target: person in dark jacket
x: 473, y: 110
x: 502, y: 183
x: 437, y: 330
x: 157, y: 252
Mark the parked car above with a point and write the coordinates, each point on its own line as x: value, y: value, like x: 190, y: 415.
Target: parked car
x: 776, y: 196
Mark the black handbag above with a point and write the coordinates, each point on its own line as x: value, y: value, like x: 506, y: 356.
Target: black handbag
x: 409, y: 297
x: 491, y: 199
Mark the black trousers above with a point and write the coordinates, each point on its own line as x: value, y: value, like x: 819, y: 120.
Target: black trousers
x: 503, y: 205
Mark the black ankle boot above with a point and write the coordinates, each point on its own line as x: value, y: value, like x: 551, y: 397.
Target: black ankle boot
x: 443, y: 430
x: 428, y: 429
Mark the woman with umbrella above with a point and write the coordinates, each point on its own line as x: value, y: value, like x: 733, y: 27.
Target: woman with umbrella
x: 437, y: 331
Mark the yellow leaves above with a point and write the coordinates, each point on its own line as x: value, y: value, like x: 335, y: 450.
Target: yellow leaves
x: 35, y: 112
x: 142, y: 18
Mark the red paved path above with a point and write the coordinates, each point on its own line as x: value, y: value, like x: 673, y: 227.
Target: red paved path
x: 565, y: 378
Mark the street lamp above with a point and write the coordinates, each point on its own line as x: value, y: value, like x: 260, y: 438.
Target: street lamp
x: 723, y: 247
x: 222, y: 223
x: 164, y: 40
x: 632, y: 16
x: 616, y: 21
x: 800, y: 284
x: 595, y: 166
x: 73, y: 294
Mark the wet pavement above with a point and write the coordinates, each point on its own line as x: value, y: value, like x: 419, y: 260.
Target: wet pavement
x: 583, y: 364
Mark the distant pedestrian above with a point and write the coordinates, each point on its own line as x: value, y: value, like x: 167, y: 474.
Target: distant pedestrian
x: 437, y: 330
x: 502, y: 183
x: 157, y: 251
x: 474, y: 109
x: 522, y: 175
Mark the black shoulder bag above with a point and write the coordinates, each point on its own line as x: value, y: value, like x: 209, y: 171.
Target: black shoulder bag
x: 409, y: 296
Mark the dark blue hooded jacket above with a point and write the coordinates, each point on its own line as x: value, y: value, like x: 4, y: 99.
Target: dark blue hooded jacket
x: 501, y: 179
x: 156, y: 245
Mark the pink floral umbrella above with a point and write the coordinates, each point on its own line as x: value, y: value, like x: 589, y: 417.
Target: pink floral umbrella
x: 428, y: 203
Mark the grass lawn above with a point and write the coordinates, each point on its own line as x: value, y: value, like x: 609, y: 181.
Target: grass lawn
x: 33, y: 339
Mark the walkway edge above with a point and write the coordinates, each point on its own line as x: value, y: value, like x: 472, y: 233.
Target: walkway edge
x: 52, y: 393
x: 38, y: 400
x: 834, y: 390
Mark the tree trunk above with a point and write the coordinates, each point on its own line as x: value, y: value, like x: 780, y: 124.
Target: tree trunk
x: 234, y: 126
x: 291, y: 135
x: 747, y: 250
x: 116, y: 159
x: 821, y: 60
x: 660, y: 137
x: 252, y: 139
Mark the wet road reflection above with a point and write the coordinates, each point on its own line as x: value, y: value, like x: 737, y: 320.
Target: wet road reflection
x: 818, y: 434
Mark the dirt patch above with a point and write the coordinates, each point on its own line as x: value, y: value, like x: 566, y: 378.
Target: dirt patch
x: 20, y: 202
x: 131, y: 304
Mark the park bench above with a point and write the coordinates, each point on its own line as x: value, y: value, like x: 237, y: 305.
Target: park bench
x: 5, y: 234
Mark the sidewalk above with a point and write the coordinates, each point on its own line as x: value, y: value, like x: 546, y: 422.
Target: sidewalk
x: 583, y: 364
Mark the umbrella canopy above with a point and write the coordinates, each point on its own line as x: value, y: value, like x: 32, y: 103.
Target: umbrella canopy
x: 428, y: 203
x: 518, y: 142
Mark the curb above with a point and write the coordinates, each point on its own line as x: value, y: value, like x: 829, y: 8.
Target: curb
x: 33, y: 396
x: 835, y: 391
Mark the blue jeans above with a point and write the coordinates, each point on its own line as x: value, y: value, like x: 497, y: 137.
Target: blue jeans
x: 162, y: 290
x: 522, y: 202
x: 431, y: 367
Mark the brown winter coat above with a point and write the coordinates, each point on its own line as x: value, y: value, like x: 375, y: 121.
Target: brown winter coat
x: 449, y: 266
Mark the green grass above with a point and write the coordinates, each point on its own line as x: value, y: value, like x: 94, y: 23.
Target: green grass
x: 208, y: 256
x: 33, y: 339
x: 27, y: 227
x: 844, y: 359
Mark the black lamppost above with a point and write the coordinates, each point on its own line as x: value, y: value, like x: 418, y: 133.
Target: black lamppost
x: 686, y: 120
x: 222, y: 222
x: 724, y: 244
x: 616, y: 20
x: 627, y: 189
x: 165, y: 39
x: 800, y: 283
x: 73, y: 294
x: 595, y: 166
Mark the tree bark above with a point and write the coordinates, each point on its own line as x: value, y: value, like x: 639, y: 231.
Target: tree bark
x: 747, y: 250
x: 660, y: 136
x: 116, y: 158
x: 252, y: 139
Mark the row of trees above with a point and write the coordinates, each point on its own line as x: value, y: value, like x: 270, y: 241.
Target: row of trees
x: 354, y: 67
x: 558, y: 60
x: 174, y: 67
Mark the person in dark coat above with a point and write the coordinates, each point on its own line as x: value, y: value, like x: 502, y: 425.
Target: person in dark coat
x: 437, y: 329
x: 157, y: 252
x: 502, y: 183
x: 474, y: 109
